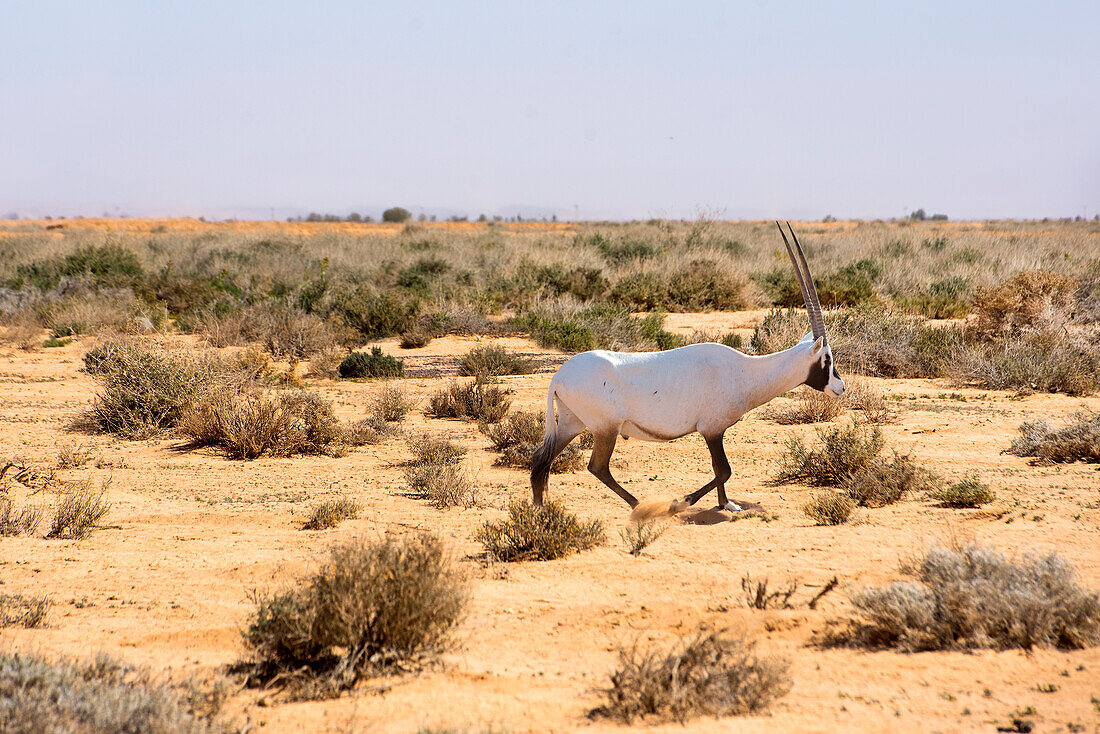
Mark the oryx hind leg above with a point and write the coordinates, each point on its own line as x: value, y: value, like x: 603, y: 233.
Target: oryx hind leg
x: 722, y: 473
x: 600, y: 464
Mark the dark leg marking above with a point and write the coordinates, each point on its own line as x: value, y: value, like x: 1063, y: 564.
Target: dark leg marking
x: 600, y: 465
x: 544, y: 459
x: 722, y: 472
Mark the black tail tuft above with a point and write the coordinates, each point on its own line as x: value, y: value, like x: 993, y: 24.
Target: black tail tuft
x: 540, y: 468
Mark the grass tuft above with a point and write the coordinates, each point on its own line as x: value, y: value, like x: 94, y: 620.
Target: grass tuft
x: 1078, y: 440
x: 829, y: 508
x: 637, y: 536
x: 331, y: 513
x: 492, y: 361
x: 970, y: 492
x: 519, y: 435
x: 27, y: 612
x: 712, y: 674
x: 473, y: 401
x: 80, y: 510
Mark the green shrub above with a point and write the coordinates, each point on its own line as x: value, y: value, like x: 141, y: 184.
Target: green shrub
x: 80, y: 510
x: 103, y: 696
x: 396, y: 214
x: 697, y: 286
x: 1078, y: 440
x: 331, y: 513
x: 829, y: 508
x: 374, y: 607
x: 415, y: 339
x: 493, y: 360
x: 574, y: 328
x: 376, y: 316
x: 948, y: 298
x: 541, y: 533
x: 106, y: 265
x: 375, y: 364
x: 974, y: 597
x: 712, y: 674
x: 473, y: 401
x: 970, y: 492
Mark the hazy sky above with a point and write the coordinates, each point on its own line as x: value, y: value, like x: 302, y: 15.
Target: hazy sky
x: 623, y: 109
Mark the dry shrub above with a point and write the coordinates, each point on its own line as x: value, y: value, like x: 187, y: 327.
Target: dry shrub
x: 811, y: 406
x: 80, y: 510
x: 21, y: 329
x: 28, y: 612
x: 144, y: 391
x: 493, y: 360
x: 331, y: 513
x: 829, y: 508
x: 974, y: 597
x: 374, y: 607
x: 1053, y: 360
x: 23, y: 522
x: 73, y: 456
x: 370, y: 431
x: 712, y: 674
x: 864, y: 396
x: 637, y: 536
x: 970, y: 492
x: 436, y: 449
x: 757, y: 595
x: 473, y: 401
x: 326, y: 363
x: 290, y: 333
x: 538, y: 533
x: 415, y: 339
x: 248, y: 424
x: 93, y: 314
x: 842, y: 452
x: 1025, y: 300
x: 443, y: 484
x: 1078, y: 440
x: 884, y: 480
x: 103, y: 696
x: 392, y: 404
x: 519, y: 435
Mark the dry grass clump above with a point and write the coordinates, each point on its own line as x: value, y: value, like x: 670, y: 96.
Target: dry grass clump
x: 711, y: 674
x: 1054, y: 360
x: 21, y: 329
x: 144, y: 391
x: 519, y: 435
x: 326, y: 363
x: 1024, y: 300
x: 436, y: 473
x: 331, y: 513
x: 28, y: 612
x: 102, y: 696
x: 74, y: 456
x: 970, y: 492
x: 290, y: 333
x: 375, y: 364
x: 829, y: 508
x: 849, y: 457
x: 1078, y: 440
x: 374, y: 607
x: 493, y: 360
x: 23, y: 522
x: 443, y: 485
x: 637, y: 536
x: 757, y: 595
x: 370, y: 431
x: 472, y: 401
x: 864, y: 396
x: 538, y: 533
x: 811, y: 406
x: 974, y: 597
x: 414, y: 339
x: 249, y: 424
x: 80, y: 510
x: 392, y: 404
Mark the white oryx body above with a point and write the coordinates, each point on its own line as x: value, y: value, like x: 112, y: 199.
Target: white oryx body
x: 661, y: 396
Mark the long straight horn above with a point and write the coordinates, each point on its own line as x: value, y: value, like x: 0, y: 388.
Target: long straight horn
x: 815, y: 314
x: 818, y: 333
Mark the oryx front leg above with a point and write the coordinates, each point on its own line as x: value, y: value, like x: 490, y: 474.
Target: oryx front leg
x: 600, y: 464
x: 722, y: 473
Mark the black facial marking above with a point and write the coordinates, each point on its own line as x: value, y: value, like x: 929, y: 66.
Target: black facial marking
x: 819, y: 373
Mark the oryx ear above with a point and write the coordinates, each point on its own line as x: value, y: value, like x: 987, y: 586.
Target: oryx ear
x: 819, y: 344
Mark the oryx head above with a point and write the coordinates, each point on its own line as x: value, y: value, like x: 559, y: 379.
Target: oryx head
x: 822, y: 373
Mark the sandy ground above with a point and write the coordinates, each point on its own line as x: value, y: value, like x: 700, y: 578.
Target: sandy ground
x: 190, y: 534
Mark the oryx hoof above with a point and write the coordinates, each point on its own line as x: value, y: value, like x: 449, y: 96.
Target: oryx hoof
x: 733, y: 507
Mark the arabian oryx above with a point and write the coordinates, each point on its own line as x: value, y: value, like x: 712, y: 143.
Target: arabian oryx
x: 661, y: 396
